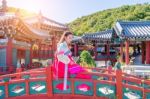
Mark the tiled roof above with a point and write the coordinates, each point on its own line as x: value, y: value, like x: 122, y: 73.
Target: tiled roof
x: 44, y: 20
x: 99, y: 36
x: 133, y: 30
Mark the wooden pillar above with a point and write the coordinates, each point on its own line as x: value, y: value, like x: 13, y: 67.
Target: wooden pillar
x: 95, y: 51
x: 31, y: 54
x: 119, y: 86
x: 75, y: 49
x: 40, y: 51
x: 50, y: 51
x: 143, y: 52
x: 9, y: 53
x: 147, y: 52
x: 49, y: 81
x: 121, y: 52
x: 127, y: 52
x: 110, y: 72
x: 54, y: 45
x: 108, y: 49
x: 54, y: 40
x: 44, y: 51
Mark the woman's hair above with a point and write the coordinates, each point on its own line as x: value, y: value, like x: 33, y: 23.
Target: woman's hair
x: 65, y: 34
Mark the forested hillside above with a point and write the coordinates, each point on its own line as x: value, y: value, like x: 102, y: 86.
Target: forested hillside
x: 105, y: 19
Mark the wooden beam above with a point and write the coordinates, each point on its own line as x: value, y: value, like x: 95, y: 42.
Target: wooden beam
x: 143, y: 52
x: 9, y: 53
x: 147, y: 52
x: 121, y: 52
x: 127, y: 52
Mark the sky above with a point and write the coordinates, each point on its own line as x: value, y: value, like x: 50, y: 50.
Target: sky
x: 65, y: 11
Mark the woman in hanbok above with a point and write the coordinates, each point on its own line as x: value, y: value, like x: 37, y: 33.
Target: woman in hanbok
x: 63, y: 57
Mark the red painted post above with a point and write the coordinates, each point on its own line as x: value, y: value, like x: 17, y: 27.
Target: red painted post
x: 49, y: 80
x: 40, y: 46
x: 72, y: 86
x: 127, y: 52
x: 143, y: 52
x: 54, y: 45
x: 75, y: 49
x: 108, y: 49
x: 144, y: 94
x: 121, y: 52
x: 19, y: 70
x: 11, y: 69
x: 31, y: 55
x: 95, y: 49
x: 43, y: 50
x: 119, y: 86
x: 6, y: 90
x: 27, y: 86
x: 110, y: 72
x: 49, y: 49
x: 147, y: 52
x: 9, y: 53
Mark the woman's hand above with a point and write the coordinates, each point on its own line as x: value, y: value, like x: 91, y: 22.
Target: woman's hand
x: 72, y: 62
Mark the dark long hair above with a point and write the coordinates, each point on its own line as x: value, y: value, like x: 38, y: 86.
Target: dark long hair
x: 65, y: 34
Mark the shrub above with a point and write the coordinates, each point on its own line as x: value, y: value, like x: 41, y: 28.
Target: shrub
x: 86, y: 59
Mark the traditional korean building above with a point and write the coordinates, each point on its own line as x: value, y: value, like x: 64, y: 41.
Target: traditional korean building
x: 102, y: 47
x: 26, y: 39
x: 135, y: 34
x: 130, y: 39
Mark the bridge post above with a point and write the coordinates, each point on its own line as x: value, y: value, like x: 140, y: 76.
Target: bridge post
x: 49, y: 81
x: 6, y: 90
x: 110, y: 72
x: 119, y: 86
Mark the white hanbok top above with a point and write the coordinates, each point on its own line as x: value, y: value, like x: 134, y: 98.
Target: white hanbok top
x: 62, y: 52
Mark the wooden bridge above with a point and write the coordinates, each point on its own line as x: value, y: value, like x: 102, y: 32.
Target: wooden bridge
x: 103, y: 84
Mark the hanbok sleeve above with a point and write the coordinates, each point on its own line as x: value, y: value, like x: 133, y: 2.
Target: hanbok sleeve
x: 62, y: 57
x: 60, y: 48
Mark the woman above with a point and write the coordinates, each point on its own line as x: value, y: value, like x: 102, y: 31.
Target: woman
x: 63, y: 55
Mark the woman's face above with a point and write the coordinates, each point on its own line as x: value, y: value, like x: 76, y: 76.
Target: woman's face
x: 68, y: 39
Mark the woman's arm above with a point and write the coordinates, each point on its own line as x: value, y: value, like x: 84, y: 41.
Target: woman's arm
x: 62, y: 53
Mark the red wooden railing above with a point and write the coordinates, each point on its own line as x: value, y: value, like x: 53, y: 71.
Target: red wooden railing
x: 109, y: 73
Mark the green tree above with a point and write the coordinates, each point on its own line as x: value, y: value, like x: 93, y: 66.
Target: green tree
x: 86, y: 59
x: 106, y: 19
